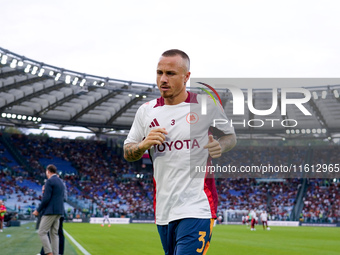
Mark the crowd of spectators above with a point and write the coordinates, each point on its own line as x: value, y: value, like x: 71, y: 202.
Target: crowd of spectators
x: 283, y: 196
x: 275, y: 194
x: 99, y: 176
x: 244, y: 194
x: 322, y: 202
x: 256, y: 156
x: 329, y: 155
x: 103, y: 180
x: 22, y: 197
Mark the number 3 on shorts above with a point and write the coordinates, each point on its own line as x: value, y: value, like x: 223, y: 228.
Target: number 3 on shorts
x: 201, y: 239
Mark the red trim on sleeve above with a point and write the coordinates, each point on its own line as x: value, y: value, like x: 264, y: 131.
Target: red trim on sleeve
x: 210, y: 191
x: 154, y: 197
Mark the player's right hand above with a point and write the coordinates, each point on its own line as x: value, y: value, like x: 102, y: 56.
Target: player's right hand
x: 156, y: 136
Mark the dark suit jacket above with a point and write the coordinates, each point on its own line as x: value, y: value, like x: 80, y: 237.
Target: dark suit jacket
x: 53, y: 197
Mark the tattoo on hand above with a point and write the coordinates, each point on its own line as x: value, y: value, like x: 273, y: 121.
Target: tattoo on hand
x: 132, y: 152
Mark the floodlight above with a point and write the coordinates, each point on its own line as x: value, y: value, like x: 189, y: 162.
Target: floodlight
x: 82, y: 83
x: 75, y: 80
x: 34, y: 70
x: 27, y: 69
x: 41, y: 72
x: 57, y: 76
x: 68, y: 79
x: 14, y: 63
x: 4, y: 59
x: 315, y: 95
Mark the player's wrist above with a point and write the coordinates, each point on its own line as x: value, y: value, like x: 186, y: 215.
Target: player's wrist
x: 143, y: 146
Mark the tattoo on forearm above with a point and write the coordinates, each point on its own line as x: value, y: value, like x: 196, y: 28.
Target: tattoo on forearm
x: 132, y: 152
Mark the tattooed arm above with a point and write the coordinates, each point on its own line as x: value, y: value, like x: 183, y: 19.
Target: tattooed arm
x: 134, y: 151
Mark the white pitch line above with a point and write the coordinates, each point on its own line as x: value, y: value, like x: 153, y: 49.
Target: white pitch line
x: 81, y: 248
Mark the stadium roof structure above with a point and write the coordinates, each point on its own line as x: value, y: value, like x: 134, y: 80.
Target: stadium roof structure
x: 33, y: 93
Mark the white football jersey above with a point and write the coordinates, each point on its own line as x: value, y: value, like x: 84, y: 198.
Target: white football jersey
x: 181, y: 187
x: 263, y: 216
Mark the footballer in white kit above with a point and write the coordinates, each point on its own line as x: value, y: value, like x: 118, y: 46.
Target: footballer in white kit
x: 253, y: 221
x: 178, y: 138
x: 264, y: 220
x: 180, y: 187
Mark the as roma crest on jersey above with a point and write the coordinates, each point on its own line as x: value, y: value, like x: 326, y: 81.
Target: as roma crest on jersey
x: 192, y: 118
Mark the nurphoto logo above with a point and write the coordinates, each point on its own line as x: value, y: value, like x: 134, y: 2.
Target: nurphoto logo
x: 281, y: 97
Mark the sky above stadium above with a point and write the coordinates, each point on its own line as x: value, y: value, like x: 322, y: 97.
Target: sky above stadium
x: 124, y: 39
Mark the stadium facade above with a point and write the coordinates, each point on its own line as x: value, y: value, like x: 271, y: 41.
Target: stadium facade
x: 33, y: 93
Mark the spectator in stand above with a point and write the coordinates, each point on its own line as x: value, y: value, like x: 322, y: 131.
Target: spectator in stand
x: 322, y: 201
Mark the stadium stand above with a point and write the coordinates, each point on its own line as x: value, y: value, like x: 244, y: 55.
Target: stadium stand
x: 98, y: 178
x: 91, y: 172
x: 32, y: 93
x: 322, y: 202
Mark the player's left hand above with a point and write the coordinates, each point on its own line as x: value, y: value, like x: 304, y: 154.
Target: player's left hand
x: 214, y: 147
x: 35, y: 213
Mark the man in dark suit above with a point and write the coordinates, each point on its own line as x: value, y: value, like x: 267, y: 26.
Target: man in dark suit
x: 51, y: 209
x: 60, y: 230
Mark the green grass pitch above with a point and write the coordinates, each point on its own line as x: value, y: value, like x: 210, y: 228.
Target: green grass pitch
x: 25, y: 240
x: 140, y: 239
x: 226, y: 239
